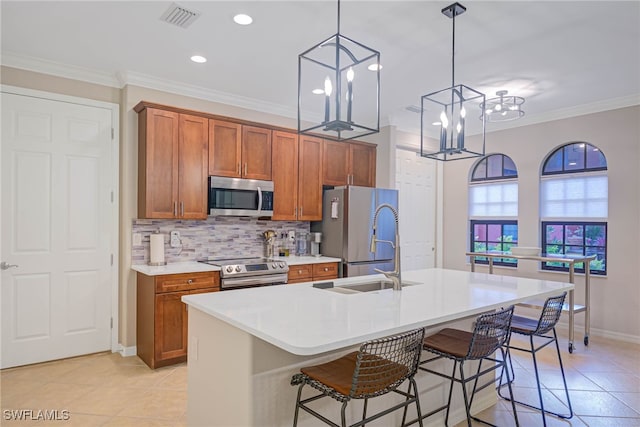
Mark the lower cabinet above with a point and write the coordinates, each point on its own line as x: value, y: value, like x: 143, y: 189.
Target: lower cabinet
x: 308, y: 272
x: 162, y: 316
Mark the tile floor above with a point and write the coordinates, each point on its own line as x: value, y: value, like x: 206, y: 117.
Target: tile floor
x: 108, y: 390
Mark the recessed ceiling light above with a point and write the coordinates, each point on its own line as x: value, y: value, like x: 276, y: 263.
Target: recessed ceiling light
x: 317, y: 91
x: 242, y: 19
x: 199, y: 59
x: 374, y: 67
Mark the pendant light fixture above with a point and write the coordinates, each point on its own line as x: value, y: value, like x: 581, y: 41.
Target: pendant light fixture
x: 444, y: 113
x: 339, y: 89
x: 503, y: 108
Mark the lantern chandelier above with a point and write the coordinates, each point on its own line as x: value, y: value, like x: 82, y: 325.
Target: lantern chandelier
x: 339, y: 89
x: 503, y: 108
x: 448, y: 108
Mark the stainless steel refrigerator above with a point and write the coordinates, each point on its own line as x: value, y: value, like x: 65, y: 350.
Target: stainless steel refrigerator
x: 347, y: 226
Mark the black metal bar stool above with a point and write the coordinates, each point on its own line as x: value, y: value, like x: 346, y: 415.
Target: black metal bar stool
x: 490, y: 334
x: 526, y: 326
x: 379, y: 367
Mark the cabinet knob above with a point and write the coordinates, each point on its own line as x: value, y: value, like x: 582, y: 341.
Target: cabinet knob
x: 299, y: 271
x: 326, y: 269
x: 190, y: 281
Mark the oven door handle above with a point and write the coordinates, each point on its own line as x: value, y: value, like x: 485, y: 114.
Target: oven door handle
x: 259, y: 199
x: 270, y: 279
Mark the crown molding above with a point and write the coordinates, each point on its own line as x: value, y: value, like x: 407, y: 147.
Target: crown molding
x: 150, y: 82
x: 45, y: 66
x: 404, y: 122
x: 123, y: 78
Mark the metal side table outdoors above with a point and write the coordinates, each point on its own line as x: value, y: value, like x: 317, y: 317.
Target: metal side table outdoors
x: 571, y: 307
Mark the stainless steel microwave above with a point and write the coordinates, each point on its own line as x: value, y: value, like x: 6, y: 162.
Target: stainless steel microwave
x: 240, y: 197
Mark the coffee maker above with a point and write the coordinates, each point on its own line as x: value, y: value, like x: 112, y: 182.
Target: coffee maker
x: 315, y: 240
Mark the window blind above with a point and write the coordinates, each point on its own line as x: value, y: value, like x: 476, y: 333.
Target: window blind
x: 574, y: 197
x: 498, y: 199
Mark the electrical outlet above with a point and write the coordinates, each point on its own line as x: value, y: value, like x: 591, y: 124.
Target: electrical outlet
x: 292, y: 235
x: 137, y: 239
x: 175, y: 241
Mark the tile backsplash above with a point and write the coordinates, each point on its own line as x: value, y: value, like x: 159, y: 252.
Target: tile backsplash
x: 219, y: 237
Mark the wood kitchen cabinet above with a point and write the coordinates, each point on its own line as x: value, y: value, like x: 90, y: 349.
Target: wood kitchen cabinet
x: 308, y: 272
x: 239, y: 151
x: 162, y: 316
x: 297, y: 177
x: 172, y: 165
x: 349, y: 163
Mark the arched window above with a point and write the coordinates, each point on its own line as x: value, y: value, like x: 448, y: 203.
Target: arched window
x: 574, y: 204
x: 493, y: 206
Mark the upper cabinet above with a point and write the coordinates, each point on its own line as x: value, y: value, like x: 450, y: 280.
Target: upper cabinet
x: 225, y: 148
x: 309, y: 179
x: 362, y: 164
x: 172, y: 165
x: 297, y: 177
x: 239, y: 151
x: 349, y: 163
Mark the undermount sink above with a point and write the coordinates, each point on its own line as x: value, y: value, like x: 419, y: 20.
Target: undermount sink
x: 377, y: 285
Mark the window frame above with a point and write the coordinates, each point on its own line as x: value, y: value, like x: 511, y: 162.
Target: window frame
x: 506, y: 261
x: 485, y: 160
x: 545, y: 265
x: 570, y: 171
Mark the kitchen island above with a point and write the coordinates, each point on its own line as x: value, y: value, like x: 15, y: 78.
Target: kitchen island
x: 244, y: 346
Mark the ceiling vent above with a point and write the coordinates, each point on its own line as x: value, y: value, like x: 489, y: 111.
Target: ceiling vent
x: 180, y: 16
x: 414, y: 109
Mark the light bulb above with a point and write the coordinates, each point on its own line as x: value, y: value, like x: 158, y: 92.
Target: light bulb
x: 328, y: 88
x: 444, y: 120
x: 463, y: 113
x: 498, y: 107
x: 459, y: 127
x: 350, y: 74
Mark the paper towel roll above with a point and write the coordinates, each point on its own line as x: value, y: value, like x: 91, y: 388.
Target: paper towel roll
x: 157, y: 249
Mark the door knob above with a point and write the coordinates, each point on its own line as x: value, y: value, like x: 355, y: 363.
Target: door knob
x: 5, y: 265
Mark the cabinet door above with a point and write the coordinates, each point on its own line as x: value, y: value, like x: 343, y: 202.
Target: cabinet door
x: 225, y: 148
x: 158, y: 164
x: 362, y: 164
x: 193, y: 167
x: 256, y: 153
x: 170, y: 326
x: 310, y: 179
x: 335, y: 162
x: 284, y: 175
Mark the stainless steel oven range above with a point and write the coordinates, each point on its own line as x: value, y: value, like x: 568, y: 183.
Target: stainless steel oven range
x: 249, y: 272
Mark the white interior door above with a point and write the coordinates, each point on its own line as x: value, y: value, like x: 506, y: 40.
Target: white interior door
x: 416, y: 182
x: 57, y: 229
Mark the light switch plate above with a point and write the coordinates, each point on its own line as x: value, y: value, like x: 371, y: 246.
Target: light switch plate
x: 175, y: 239
x: 137, y: 239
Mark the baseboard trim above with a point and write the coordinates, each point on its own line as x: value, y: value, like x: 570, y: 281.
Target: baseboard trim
x: 127, y: 351
x: 596, y: 332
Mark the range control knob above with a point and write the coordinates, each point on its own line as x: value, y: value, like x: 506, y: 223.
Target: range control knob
x: 281, y: 265
x: 238, y: 268
x: 229, y: 269
x: 274, y: 265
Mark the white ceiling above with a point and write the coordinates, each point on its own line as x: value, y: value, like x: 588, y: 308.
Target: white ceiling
x: 565, y: 58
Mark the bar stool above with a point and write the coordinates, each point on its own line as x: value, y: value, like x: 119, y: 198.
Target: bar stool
x: 549, y: 317
x: 379, y: 367
x: 490, y: 334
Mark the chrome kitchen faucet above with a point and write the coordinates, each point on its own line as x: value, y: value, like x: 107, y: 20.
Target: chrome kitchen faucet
x: 394, y: 275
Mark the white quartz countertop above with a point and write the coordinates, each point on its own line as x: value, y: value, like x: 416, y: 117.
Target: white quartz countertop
x: 304, y: 320
x: 174, y: 268
x: 194, y: 266
x: 297, y: 260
